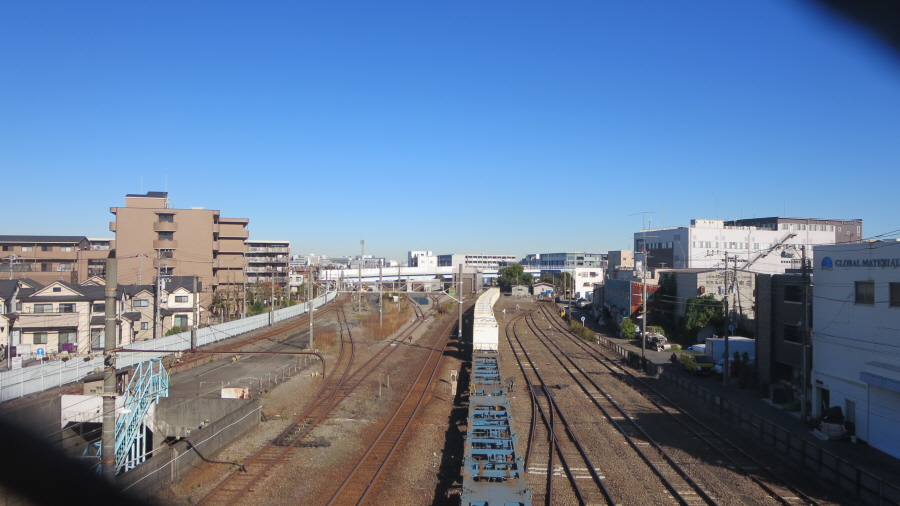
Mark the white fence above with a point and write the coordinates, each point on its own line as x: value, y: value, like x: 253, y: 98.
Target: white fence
x: 29, y: 380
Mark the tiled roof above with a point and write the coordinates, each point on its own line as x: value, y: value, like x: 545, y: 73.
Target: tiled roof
x: 42, y: 239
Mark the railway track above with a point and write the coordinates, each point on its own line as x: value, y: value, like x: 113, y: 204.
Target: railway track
x: 327, y: 398
x: 574, y: 459
x: 293, y: 328
x: 698, y: 439
x: 365, y: 475
x: 240, y: 482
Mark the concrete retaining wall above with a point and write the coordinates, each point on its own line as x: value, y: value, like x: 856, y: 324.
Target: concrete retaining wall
x: 170, y: 464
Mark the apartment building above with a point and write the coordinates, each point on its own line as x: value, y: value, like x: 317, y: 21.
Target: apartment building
x: 48, y: 258
x: 706, y: 244
x: 154, y: 239
x: 268, y: 262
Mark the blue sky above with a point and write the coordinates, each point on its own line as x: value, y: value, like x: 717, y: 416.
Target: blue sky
x: 501, y: 126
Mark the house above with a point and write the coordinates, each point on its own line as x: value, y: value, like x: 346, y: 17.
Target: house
x: 64, y: 317
x: 543, y: 289
x: 520, y: 291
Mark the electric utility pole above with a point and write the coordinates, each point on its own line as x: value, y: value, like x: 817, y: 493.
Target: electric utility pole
x: 309, y: 303
x: 380, y: 299
x: 362, y: 245
x: 459, y: 294
x: 108, y: 433
x: 727, y: 323
x: 805, y: 337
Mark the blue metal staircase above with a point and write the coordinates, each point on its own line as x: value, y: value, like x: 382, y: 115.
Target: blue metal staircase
x: 149, y: 382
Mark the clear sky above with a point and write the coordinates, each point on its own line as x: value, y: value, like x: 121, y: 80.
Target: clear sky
x: 454, y: 126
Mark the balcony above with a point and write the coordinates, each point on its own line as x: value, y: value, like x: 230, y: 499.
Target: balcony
x: 165, y: 226
x: 157, y: 244
x: 233, y: 233
x: 166, y: 262
x: 112, y: 226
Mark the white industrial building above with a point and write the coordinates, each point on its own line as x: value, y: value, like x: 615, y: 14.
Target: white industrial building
x: 421, y: 259
x: 856, y: 338
x: 706, y: 243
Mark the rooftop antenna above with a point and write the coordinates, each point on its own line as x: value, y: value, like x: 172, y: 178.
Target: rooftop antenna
x: 643, y: 214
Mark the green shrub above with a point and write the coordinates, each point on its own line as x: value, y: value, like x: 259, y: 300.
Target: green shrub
x: 582, y: 332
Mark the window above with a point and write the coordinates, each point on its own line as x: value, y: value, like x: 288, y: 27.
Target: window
x: 865, y: 292
x: 40, y: 338
x: 67, y: 307
x: 165, y: 254
x: 6, y: 248
x: 97, y: 339
x: 792, y: 334
x: 26, y: 248
x: 68, y: 336
x: 166, y: 236
x: 46, y: 248
x: 57, y: 289
x: 65, y: 249
x: 98, y: 307
x: 43, y: 308
x: 181, y: 298
x: 181, y: 320
x: 64, y: 268
x: 141, y: 303
x: 145, y: 325
x: 793, y: 293
x: 46, y: 267
x: 895, y: 294
x: 166, y: 218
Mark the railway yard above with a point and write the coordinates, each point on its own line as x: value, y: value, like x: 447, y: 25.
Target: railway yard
x: 383, y: 427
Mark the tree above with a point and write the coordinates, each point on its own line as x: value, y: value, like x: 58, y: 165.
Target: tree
x: 627, y: 328
x: 701, y: 311
x: 513, y: 275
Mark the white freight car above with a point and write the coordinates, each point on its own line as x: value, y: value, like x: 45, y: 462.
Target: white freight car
x: 485, y: 331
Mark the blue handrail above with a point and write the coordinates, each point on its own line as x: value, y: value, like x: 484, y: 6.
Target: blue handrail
x: 149, y: 382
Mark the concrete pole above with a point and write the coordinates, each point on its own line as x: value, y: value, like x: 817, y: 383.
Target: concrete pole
x: 362, y: 245
x: 380, y: 299
x: 108, y: 436
x: 309, y: 304
x: 196, y: 314
x: 244, y: 285
x: 459, y: 294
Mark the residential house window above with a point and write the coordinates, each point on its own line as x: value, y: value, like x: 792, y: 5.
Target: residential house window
x: 166, y: 218
x: 46, y: 267
x: 141, y: 303
x: 57, y: 289
x: 65, y: 249
x: 181, y: 298
x: 145, y: 325
x: 46, y: 248
x: 68, y: 341
x: 27, y: 248
x: 865, y: 292
x: 43, y: 308
x: 40, y: 338
x: 98, y: 307
x: 67, y: 307
x: 895, y: 294
x: 6, y: 248
x: 793, y: 293
x: 181, y: 320
x: 166, y: 236
x: 96, y: 339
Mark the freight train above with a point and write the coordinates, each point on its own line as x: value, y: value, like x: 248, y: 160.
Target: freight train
x: 493, y: 469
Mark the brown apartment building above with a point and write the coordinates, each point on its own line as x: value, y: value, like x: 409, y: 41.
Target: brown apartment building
x: 154, y: 239
x: 48, y: 258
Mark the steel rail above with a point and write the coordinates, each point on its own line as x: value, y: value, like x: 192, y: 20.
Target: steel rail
x: 681, y: 413
x: 547, y: 416
x: 388, y: 438
x: 656, y: 470
x: 238, y: 483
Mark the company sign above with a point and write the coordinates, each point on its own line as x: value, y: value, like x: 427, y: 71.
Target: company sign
x: 866, y: 263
